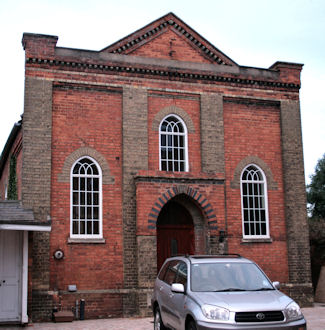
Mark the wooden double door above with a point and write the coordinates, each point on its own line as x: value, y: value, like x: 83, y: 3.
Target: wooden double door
x: 175, y: 232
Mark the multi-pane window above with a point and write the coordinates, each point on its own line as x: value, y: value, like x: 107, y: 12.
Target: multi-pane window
x: 254, y: 203
x: 86, y: 199
x: 173, y: 145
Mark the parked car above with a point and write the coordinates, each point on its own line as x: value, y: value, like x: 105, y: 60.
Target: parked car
x: 220, y: 292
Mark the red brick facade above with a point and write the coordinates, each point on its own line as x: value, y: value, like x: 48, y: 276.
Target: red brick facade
x: 108, y: 105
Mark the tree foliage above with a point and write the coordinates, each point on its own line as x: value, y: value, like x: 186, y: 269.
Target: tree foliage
x: 316, y: 191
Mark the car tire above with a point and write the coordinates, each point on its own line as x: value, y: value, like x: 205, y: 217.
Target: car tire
x: 191, y: 325
x: 157, y: 322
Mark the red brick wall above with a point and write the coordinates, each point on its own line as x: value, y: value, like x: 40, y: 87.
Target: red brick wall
x: 87, y: 118
x: 254, y: 130
x: 88, y: 113
x: 192, y: 108
x: 170, y: 45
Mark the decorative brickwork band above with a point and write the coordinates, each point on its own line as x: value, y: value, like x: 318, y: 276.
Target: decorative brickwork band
x: 203, y: 202
x: 103, y: 67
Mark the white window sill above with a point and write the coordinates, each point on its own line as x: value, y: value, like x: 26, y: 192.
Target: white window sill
x: 86, y: 240
x: 257, y: 240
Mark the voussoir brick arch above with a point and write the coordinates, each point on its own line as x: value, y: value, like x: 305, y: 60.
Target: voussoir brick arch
x: 271, y: 183
x: 64, y: 175
x: 200, y: 199
x: 170, y: 111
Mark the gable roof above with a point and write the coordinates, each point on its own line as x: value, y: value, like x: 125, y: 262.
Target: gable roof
x: 171, y: 24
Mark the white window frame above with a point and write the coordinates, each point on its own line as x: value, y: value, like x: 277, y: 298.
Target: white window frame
x: 99, y: 176
x: 184, y: 134
x: 249, y: 207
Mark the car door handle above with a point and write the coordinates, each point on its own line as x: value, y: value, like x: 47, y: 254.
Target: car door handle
x: 171, y: 295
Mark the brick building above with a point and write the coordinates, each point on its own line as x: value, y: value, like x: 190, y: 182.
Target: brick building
x: 159, y: 144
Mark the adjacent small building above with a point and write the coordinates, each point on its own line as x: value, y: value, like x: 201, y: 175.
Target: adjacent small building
x: 156, y: 145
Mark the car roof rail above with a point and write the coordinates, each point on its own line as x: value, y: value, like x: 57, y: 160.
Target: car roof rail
x: 202, y: 256
x: 225, y: 255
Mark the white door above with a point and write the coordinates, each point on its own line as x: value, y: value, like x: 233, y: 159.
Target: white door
x: 10, y: 275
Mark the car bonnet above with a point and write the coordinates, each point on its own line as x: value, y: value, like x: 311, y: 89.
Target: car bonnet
x: 244, y: 301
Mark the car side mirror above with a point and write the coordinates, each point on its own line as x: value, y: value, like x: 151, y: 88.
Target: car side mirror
x: 178, y: 288
x: 276, y: 285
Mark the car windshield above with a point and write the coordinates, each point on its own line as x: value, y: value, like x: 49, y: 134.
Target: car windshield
x: 225, y: 277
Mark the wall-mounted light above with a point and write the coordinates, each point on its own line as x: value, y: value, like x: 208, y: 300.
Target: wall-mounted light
x: 222, y: 236
x: 72, y: 287
x: 58, y: 254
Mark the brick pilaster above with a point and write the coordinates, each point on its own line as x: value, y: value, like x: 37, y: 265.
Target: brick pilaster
x: 135, y: 157
x: 36, y: 172
x: 295, y: 202
x: 212, y: 133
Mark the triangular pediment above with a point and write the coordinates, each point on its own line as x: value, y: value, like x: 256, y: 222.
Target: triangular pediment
x: 169, y: 38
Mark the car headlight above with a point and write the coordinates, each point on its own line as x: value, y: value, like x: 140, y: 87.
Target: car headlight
x: 293, y: 311
x: 215, y: 313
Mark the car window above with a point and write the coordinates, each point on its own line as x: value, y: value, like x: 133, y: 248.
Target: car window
x: 182, y: 273
x: 228, y: 276
x: 162, y: 272
x: 170, y: 275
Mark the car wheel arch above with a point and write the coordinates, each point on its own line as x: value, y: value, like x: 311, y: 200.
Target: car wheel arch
x: 154, y: 306
x: 156, y: 311
x: 188, y: 319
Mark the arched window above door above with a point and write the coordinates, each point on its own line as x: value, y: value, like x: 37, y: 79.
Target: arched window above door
x: 173, y: 155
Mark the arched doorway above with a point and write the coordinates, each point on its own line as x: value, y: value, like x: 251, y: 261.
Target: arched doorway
x: 175, y: 232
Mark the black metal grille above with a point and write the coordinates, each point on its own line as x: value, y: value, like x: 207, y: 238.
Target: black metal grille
x: 273, y: 316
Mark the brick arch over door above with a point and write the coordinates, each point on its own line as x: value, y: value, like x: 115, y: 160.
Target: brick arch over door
x: 64, y: 175
x: 194, y: 194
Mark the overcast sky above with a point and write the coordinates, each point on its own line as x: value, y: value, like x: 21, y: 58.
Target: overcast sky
x: 251, y: 32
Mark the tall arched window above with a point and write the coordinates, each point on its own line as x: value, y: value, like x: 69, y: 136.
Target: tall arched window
x: 173, y: 144
x: 254, y: 203
x: 86, y: 191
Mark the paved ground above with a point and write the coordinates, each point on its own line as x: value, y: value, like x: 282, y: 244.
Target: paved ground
x: 315, y: 317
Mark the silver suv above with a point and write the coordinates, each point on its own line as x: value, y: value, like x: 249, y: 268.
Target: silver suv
x: 220, y: 292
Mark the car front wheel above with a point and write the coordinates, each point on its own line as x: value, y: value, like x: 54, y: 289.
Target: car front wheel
x: 191, y: 326
x: 158, y: 324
